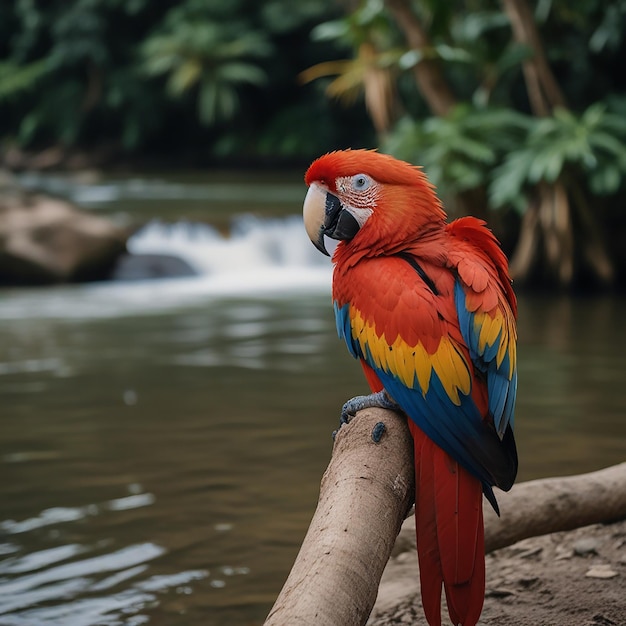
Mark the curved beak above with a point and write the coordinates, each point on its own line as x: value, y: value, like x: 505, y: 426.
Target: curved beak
x: 325, y: 215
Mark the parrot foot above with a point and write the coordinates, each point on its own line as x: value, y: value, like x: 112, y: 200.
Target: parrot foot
x: 374, y: 400
x: 379, y: 400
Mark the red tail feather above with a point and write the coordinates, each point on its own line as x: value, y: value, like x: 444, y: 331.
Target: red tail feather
x: 450, y: 536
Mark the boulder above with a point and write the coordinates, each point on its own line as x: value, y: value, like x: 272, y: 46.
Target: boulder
x: 150, y: 266
x: 46, y: 240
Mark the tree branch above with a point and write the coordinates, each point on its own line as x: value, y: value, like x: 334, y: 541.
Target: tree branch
x: 364, y: 496
x: 549, y: 505
x: 543, y: 90
x: 428, y: 73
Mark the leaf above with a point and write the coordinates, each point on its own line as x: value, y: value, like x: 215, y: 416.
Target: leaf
x: 216, y: 101
x: 594, y: 115
x: 328, y: 31
x: 453, y: 54
x: 614, y: 123
x: 239, y: 72
x: 328, y: 68
x: 509, y: 179
x: 185, y: 76
x: 410, y: 59
x: 15, y: 79
x: 546, y: 165
x: 473, y: 25
x: 473, y: 149
x: 513, y: 56
x: 606, y: 180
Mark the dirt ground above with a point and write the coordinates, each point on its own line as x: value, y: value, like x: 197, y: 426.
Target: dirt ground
x: 575, y: 578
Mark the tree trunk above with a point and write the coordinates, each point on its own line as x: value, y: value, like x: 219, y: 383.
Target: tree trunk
x: 428, y: 72
x: 544, y: 95
x: 523, y: 257
x: 594, y: 245
x: 544, y: 92
x: 435, y: 89
x: 364, y: 496
x: 555, y: 219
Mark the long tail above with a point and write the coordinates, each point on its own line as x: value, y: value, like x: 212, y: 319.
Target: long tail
x: 450, y: 534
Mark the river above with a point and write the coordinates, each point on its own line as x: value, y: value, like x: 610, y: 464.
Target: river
x: 162, y: 442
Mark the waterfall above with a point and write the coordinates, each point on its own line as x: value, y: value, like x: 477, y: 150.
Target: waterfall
x: 253, y: 245
x: 258, y: 258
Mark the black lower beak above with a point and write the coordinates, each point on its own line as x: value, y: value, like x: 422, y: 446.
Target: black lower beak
x: 338, y: 222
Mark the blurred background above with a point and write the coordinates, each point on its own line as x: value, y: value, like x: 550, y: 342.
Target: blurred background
x: 170, y: 373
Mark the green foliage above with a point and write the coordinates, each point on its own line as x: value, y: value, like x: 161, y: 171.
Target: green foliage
x: 459, y: 152
x: 490, y: 140
x: 592, y: 146
x: 185, y: 74
x: 70, y: 72
x: 221, y: 78
x: 210, y: 56
x: 16, y: 78
x: 367, y: 23
x: 509, y: 152
x: 285, y: 17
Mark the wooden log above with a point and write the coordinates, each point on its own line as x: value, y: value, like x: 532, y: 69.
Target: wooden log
x: 365, y: 495
x: 530, y: 509
x: 550, y: 505
x: 547, y: 505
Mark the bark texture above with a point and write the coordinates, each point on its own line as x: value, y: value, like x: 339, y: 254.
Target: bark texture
x: 364, y: 496
x: 428, y: 73
x: 547, y: 505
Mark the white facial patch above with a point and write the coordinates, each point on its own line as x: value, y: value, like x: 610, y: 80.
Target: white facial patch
x: 359, y: 195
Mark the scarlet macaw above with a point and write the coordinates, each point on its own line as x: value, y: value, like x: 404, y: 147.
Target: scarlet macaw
x: 428, y: 308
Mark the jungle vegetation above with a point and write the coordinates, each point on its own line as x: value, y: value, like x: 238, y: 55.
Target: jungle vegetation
x: 515, y: 108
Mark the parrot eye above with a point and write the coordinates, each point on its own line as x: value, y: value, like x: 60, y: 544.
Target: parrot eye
x: 360, y: 182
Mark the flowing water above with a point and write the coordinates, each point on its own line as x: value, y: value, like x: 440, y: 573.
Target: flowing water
x: 162, y: 442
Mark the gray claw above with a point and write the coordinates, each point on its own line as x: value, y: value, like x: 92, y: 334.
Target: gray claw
x: 374, y: 400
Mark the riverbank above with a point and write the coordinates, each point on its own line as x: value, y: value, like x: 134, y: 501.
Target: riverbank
x: 87, y: 168
x: 575, y: 578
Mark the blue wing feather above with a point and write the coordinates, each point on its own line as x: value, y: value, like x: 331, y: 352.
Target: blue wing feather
x: 501, y: 379
x: 460, y: 429
x: 344, y: 330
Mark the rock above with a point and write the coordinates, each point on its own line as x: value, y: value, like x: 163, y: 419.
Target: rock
x: 585, y: 546
x: 150, y: 266
x: 563, y: 552
x: 530, y: 553
x: 601, y: 571
x: 498, y: 592
x: 45, y: 240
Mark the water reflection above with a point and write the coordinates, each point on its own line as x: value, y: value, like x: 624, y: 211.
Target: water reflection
x: 197, y: 407
x: 572, y: 399
x: 162, y: 468
x: 64, y: 584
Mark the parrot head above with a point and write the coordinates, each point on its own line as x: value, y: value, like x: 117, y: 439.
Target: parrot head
x: 368, y: 199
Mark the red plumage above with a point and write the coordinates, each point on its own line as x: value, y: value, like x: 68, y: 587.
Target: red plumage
x: 429, y: 310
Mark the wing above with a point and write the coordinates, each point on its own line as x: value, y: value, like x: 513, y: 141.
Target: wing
x: 486, y: 308
x: 403, y: 322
